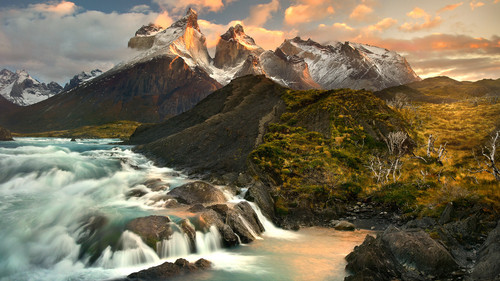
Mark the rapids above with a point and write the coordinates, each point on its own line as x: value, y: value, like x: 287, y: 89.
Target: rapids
x: 64, y: 206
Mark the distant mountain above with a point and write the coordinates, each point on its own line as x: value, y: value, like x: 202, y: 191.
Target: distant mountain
x: 81, y: 78
x: 20, y: 88
x: 443, y: 89
x: 160, y: 82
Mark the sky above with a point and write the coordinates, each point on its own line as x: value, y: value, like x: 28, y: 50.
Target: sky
x: 54, y: 40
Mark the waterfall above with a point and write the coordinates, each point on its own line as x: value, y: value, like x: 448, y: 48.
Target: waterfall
x: 133, y: 252
x: 175, y: 246
x: 249, y: 227
x: 270, y: 230
x: 208, y: 242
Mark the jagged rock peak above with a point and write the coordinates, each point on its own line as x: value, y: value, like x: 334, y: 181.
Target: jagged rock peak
x: 189, y: 20
x: 237, y: 33
x: 148, y: 30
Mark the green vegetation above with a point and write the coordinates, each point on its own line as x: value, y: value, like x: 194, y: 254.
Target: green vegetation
x: 319, y: 153
x: 118, y: 129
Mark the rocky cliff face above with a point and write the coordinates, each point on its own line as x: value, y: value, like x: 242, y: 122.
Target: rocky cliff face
x: 20, y: 88
x: 81, y: 78
x: 351, y: 65
x: 144, y: 37
x: 234, y: 47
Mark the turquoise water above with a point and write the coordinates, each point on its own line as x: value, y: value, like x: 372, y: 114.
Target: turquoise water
x: 64, y: 205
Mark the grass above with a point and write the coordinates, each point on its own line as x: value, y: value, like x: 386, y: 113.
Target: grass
x: 118, y: 129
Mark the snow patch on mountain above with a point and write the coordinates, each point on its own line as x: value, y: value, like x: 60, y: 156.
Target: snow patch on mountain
x: 20, y: 88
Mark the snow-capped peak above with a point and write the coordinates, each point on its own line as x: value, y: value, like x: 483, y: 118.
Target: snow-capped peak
x: 21, y: 89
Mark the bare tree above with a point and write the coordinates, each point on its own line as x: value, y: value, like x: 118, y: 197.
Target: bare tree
x: 399, y: 101
x: 489, y: 152
x: 384, y: 167
x: 430, y: 144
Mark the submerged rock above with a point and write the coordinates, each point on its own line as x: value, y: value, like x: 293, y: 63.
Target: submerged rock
x: 151, y: 229
x: 344, y: 226
x: 198, y: 192
x: 169, y: 270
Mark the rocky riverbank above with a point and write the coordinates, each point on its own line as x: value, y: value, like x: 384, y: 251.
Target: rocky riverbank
x: 5, y: 134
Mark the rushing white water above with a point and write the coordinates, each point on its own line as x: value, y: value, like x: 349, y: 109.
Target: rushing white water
x: 64, y: 206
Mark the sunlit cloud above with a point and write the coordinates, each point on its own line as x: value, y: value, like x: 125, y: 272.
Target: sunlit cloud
x: 450, y: 7
x: 475, y: 4
x: 141, y: 9
x: 418, y: 13
x: 383, y: 24
x: 63, y: 8
x: 163, y: 20
x: 261, y: 13
x: 308, y: 11
x: 361, y: 12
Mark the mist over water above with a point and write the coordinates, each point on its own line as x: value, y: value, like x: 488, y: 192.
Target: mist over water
x: 64, y: 206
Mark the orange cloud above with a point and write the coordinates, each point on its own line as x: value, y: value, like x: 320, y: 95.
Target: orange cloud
x: 476, y: 4
x: 382, y: 25
x: 450, y: 7
x: 307, y: 11
x: 62, y: 8
x: 360, y: 12
x: 418, y: 13
x: 163, y: 20
x: 261, y: 13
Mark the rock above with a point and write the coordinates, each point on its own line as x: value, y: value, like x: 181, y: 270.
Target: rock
x: 488, y: 264
x: 73, y: 139
x: 196, y: 208
x: 416, y: 250
x: 244, y: 222
x: 190, y: 231
x: 209, y: 217
x: 5, y: 135
x: 169, y: 270
x: 344, y: 226
x: 260, y: 194
x: 400, y: 254
x: 198, y: 192
x: 136, y: 192
x: 156, y: 185
x: 151, y: 229
x: 447, y: 214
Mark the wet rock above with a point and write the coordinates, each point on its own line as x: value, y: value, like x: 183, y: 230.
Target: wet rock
x: 198, y: 192
x: 196, y: 208
x: 188, y: 228
x: 260, y: 194
x: 169, y: 270
x: 151, y: 229
x: 209, y: 217
x: 73, y: 139
x: 136, y: 192
x: 221, y: 209
x: 244, y: 222
x: 344, y: 226
x: 156, y: 185
x: 5, y: 134
x: 488, y: 264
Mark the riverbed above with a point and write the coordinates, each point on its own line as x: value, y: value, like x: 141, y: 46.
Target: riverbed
x: 52, y: 191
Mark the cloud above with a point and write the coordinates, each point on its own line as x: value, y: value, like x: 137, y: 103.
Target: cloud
x: 308, y: 11
x: 56, y: 41
x: 62, y: 8
x: 141, y: 9
x: 261, y: 13
x: 383, y: 24
x: 163, y: 20
x: 450, y: 7
x: 458, y: 56
x: 418, y: 13
x: 178, y: 7
x: 361, y: 12
x: 476, y: 4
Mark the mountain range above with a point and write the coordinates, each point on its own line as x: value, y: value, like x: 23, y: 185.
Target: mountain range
x: 174, y: 71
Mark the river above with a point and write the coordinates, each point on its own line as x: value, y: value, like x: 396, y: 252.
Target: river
x: 54, y: 194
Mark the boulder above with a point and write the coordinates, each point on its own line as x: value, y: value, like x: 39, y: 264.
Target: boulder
x: 447, y: 214
x: 209, y: 217
x: 400, y: 254
x: 198, y: 192
x: 190, y: 231
x: 260, y: 194
x: 151, y: 229
x: 488, y: 263
x: 170, y: 270
x: 344, y: 226
x: 5, y: 134
x: 417, y: 251
x: 244, y: 222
